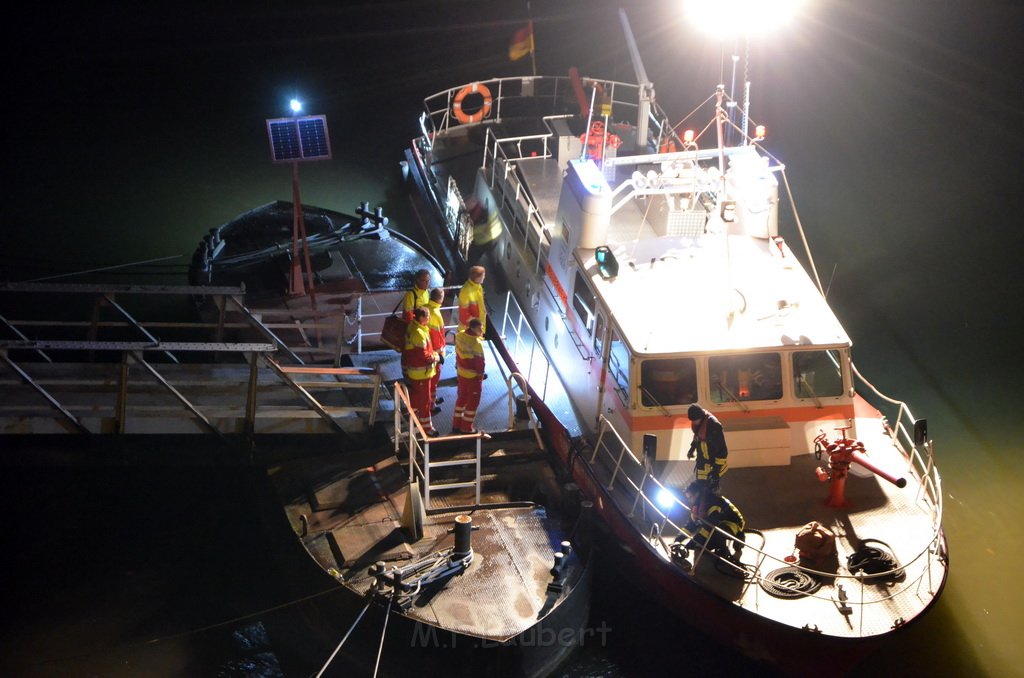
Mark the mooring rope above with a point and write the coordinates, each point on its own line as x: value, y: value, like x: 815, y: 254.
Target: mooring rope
x: 873, y: 561
x: 383, y: 632
x: 347, y: 634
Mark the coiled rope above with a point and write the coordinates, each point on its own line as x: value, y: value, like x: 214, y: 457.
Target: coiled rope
x: 875, y: 561
x: 790, y: 582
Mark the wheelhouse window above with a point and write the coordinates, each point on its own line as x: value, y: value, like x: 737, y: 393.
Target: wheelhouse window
x: 598, y: 334
x: 584, y: 301
x: 738, y: 378
x: 670, y: 381
x: 618, y: 367
x: 817, y: 374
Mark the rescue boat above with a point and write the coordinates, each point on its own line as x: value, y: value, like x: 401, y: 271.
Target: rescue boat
x: 644, y: 267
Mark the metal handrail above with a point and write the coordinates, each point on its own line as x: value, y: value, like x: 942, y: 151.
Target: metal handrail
x: 494, y: 158
x: 923, y: 467
x: 419, y: 447
x: 524, y: 389
x: 523, y: 337
x: 361, y: 317
x: 505, y: 91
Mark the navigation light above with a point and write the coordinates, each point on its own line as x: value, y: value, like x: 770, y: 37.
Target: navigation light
x: 607, y: 265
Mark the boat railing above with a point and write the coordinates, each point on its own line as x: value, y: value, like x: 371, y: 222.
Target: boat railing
x: 519, y: 405
x: 518, y: 96
x: 372, y: 308
x: 910, y: 439
x: 656, y: 510
x: 523, y: 346
x: 420, y: 447
x: 521, y: 214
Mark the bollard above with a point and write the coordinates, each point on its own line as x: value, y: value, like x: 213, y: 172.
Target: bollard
x: 463, y: 534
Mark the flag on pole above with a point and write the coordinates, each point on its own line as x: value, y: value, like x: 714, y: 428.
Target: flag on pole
x: 521, y: 43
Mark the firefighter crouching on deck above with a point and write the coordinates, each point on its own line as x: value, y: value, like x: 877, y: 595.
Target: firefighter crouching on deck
x: 718, y: 512
x: 709, y: 445
x: 419, y: 364
x: 469, y: 363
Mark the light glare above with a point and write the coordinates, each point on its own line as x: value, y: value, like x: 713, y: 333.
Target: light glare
x: 295, y: 105
x: 738, y: 17
x: 666, y: 499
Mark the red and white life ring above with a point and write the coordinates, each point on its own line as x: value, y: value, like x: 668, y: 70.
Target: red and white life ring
x: 482, y: 112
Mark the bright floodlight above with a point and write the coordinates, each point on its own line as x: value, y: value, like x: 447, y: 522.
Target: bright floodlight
x: 295, y: 105
x: 666, y: 499
x: 736, y: 17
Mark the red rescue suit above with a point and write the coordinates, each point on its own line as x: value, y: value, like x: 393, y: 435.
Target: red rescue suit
x: 418, y: 365
x: 435, y: 323
x: 469, y: 363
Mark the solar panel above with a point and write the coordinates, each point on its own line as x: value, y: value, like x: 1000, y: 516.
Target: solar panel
x: 299, y: 139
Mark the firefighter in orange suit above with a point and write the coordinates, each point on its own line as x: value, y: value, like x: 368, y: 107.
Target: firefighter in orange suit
x: 418, y: 296
x: 469, y: 363
x: 471, y: 299
x: 419, y: 364
x: 435, y: 324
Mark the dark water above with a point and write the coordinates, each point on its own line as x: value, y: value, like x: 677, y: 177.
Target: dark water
x: 130, y: 133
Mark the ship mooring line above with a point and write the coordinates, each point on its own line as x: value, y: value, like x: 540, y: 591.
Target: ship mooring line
x: 380, y: 649
x: 104, y: 268
x: 202, y: 629
x: 347, y: 634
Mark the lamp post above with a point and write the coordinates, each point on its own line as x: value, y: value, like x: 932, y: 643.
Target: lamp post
x: 295, y: 284
x: 740, y: 18
x: 294, y: 140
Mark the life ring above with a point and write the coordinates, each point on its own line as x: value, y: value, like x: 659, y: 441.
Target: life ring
x: 485, y: 108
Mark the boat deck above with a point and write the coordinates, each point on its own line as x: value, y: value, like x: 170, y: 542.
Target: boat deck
x: 352, y: 506
x: 497, y: 408
x: 876, y: 511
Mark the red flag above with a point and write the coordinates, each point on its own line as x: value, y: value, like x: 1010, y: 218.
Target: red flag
x: 521, y: 43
